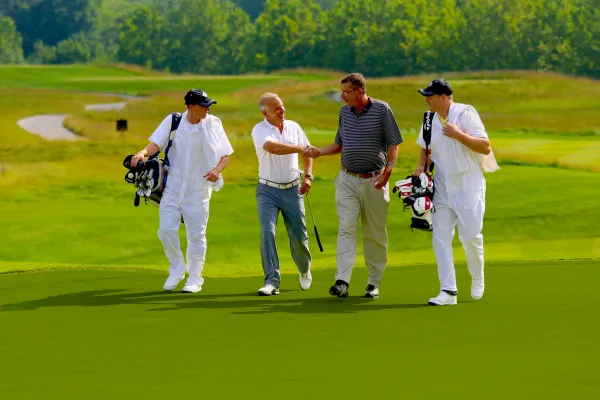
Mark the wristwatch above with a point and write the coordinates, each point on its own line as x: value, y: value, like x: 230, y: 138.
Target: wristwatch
x: 311, y: 177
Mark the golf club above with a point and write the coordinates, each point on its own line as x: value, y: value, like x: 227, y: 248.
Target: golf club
x: 311, y: 214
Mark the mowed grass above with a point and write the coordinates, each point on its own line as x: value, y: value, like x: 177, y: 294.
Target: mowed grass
x: 91, y: 220
x: 114, y: 334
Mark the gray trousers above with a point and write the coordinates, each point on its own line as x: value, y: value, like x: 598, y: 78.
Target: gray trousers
x: 270, y: 202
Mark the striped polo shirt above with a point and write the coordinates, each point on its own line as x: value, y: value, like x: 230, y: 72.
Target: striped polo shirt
x: 365, y: 136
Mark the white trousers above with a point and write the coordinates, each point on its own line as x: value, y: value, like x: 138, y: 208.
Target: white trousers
x: 463, y: 209
x: 194, y: 209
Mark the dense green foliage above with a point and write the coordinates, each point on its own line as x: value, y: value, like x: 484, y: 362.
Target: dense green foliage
x: 377, y: 37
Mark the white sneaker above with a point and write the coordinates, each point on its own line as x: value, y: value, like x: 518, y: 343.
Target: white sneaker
x: 442, y: 299
x: 305, y: 280
x: 268, y: 290
x: 477, y: 287
x: 188, y: 288
x: 172, y: 282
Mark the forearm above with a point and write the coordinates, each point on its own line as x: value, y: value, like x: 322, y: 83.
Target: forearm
x: 223, y: 162
x: 281, y: 149
x: 392, y: 156
x: 149, y: 150
x: 477, y: 144
x: 307, y: 162
x: 332, y: 149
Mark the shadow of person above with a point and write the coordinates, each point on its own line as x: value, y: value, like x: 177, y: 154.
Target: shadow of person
x: 237, y: 303
x: 107, y: 297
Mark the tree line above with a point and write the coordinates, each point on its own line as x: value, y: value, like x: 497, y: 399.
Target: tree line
x: 377, y: 37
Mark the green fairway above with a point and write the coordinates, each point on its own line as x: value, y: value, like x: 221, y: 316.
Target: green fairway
x: 82, y: 314
x: 114, y: 334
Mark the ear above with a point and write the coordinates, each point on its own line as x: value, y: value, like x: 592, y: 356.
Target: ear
x: 263, y: 112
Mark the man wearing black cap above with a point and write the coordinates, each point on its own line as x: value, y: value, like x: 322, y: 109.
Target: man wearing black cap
x: 461, y: 152
x: 199, y: 152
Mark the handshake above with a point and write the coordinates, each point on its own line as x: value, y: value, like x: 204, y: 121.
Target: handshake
x: 311, y: 151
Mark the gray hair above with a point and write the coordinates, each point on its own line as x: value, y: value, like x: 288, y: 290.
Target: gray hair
x: 265, y: 99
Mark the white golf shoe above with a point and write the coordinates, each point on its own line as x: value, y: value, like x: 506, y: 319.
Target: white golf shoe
x: 305, y: 280
x: 477, y: 287
x: 172, y: 282
x: 191, y: 288
x: 442, y: 299
x: 268, y: 290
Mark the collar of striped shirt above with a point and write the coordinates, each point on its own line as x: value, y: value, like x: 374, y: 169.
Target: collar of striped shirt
x: 365, y: 109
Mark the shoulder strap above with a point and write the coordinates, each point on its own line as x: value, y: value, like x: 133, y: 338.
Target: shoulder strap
x: 175, y: 120
x: 427, y: 124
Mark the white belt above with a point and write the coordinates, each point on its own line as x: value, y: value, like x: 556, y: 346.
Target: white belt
x: 279, y: 185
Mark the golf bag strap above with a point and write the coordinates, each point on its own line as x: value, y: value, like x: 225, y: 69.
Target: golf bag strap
x: 427, y: 124
x: 175, y: 120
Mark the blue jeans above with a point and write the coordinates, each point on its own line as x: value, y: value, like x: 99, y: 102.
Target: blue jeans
x: 270, y: 202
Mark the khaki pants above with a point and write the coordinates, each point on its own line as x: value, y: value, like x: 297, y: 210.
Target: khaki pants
x: 357, y: 198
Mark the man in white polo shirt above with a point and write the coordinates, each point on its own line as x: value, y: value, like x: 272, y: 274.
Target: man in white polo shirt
x: 278, y: 142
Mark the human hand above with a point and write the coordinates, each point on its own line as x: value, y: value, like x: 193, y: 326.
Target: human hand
x: 306, y: 185
x: 418, y: 171
x: 381, y: 180
x: 212, y: 175
x: 451, y: 130
x: 136, y: 159
x: 311, y: 151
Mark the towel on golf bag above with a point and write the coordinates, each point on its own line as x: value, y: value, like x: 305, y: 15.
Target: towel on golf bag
x: 150, y: 177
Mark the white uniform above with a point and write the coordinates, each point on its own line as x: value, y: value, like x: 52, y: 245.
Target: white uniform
x: 196, y: 149
x: 459, y: 193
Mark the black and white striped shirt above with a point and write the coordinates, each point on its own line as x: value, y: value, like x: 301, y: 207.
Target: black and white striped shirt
x: 365, y: 136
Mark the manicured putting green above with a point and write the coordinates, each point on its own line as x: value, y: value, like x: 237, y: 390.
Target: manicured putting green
x: 114, y: 334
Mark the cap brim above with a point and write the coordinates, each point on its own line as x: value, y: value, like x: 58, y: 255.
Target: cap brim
x: 426, y: 93
x: 208, y: 103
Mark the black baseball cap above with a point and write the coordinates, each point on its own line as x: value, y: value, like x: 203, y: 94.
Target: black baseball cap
x: 437, y: 86
x: 198, y: 96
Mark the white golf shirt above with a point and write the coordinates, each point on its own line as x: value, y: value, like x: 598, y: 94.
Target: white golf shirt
x: 459, y: 166
x: 196, y: 149
x: 273, y: 167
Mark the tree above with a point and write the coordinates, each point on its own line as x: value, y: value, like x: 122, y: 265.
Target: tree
x: 11, y: 50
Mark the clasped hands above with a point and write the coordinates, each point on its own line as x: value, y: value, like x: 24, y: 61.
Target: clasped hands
x: 311, y: 151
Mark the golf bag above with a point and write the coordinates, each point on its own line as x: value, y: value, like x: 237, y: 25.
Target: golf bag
x: 417, y: 192
x: 150, y: 177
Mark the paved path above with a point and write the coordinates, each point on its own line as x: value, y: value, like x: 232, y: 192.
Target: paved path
x: 51, y: 126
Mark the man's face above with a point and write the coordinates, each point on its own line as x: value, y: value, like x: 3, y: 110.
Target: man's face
x: 274, y: 111
x: 435, y: 102
x: 350, y: 94
x: 198, y: 111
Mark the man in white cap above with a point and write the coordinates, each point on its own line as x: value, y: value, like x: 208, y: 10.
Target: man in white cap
x: 199, y: 153
x: 461, y: 152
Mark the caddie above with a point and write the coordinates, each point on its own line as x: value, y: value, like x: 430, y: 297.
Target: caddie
x: 461, y: 152
x: 199, y: 153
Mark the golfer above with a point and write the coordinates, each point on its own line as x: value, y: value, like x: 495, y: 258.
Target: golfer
x: 461, y: 152
x: 200, y: 151
x: 368, y: 138
x: 280, y: 189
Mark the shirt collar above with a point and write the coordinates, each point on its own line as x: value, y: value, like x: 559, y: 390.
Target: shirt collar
x: 271, y: 126
x: 365, y: 109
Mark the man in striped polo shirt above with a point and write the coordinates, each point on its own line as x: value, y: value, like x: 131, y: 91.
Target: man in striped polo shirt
x: 368, y: 138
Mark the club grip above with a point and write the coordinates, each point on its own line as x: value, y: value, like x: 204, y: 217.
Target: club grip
x: 318, y: 239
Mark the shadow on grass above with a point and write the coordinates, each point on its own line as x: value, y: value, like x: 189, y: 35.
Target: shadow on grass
x: 238, y: 303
